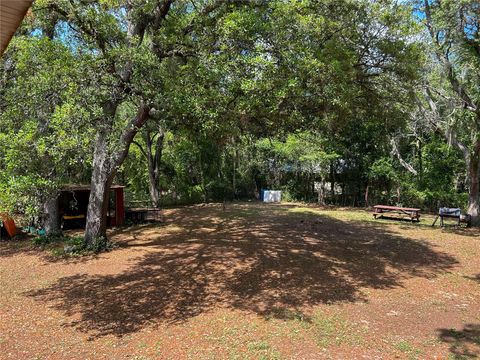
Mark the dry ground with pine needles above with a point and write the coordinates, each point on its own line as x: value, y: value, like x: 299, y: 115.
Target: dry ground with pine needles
x: 253, y: 281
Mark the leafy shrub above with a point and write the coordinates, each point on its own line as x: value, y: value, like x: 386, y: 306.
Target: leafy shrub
x: 62, y: 245
x: 48, y: 239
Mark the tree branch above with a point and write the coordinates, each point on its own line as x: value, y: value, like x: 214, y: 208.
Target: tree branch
x: 140, y: 147
x: 396, y: 152
x: 128, y: 135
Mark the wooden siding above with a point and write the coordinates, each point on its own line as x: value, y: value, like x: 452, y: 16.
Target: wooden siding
x: 11, y: 15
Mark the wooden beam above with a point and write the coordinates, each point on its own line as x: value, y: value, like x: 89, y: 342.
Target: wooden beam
x: 12, y: 13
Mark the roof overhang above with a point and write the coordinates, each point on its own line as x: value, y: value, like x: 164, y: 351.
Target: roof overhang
x: 12, y: 13
x: 80, y: 187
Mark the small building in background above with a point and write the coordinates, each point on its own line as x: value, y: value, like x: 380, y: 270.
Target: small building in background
x: 73, y: 205
x: 270, y: 195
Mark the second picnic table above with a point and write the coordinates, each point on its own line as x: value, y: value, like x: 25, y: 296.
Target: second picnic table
x: 381, y: 210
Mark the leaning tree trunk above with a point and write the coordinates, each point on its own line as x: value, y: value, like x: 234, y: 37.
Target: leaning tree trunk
x: 51, y: 220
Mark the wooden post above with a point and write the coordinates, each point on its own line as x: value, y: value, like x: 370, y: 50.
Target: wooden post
x: 119, y: 207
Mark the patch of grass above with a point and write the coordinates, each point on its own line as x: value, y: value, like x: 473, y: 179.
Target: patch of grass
x: 286, y: 314
x: 142, y: 345
x: 407, y: 348
x: 334, y: 330
x: 258, y: 346
x: 241, y: 213
x: 458, y: 357
x: 337, y: 214
x: 235, y: 338
x: 404, y: 346
x: 262, y: 350
x: 361, y: 215
x: 292, y: 323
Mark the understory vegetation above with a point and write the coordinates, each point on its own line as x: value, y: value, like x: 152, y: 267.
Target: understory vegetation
x: 347, y: 102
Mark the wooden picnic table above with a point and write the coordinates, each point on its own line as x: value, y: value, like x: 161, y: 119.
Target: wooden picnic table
x: 141, y: 215
x: 381, y: 210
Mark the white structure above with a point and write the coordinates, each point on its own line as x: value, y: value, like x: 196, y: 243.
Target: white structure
x: 272, y: 196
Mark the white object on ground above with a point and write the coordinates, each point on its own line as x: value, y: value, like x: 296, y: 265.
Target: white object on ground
x: 272, y: 196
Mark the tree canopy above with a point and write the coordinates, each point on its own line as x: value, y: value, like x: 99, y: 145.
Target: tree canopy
x: 344, y: 102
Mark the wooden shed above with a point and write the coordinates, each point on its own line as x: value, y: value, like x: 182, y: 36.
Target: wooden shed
x: 73, y: 204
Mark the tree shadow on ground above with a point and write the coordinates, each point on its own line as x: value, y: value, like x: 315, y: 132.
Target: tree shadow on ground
x: 473, y: 278
x: 464, y: 343
x: 271, y: 263
x: 462, y: 231
x: 25, y: 246
x: 16, y: 246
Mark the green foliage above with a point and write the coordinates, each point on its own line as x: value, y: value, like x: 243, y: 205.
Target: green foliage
x: 441, y: 164
x: 382, y: 171
x: 250, y: 95
x: 43, y: 139
x: 65, y: 245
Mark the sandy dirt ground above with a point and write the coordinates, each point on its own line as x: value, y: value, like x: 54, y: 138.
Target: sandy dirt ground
x: 253, y: 281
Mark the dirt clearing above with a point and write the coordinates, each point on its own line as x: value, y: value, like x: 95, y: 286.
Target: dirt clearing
x: 252, y: 281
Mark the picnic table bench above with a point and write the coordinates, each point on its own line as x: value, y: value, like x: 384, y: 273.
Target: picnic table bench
x: 381, y: 210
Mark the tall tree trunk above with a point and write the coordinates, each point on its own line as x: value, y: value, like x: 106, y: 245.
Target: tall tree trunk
x: 234, y: 177
x: 154, y: 189
x: 51, y: 220
x: 420, y: 160
x: 473, y: 193
x: 102, y: 177
x: 154, y: 158
x: 105, y: 166
x: 321, y: 193
x: 202, y: 179
x: 366, y: 195
x: 332, y: 182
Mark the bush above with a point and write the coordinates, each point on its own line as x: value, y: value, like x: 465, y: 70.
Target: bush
x: 433, y: 200
x: 48, y: 239
x: 287, y: 196
x: 62, y: 245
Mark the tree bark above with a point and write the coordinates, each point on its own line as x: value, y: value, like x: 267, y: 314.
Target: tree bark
x: 102, y: 177
x: 154, y: 159
x: 332, y: 182
x: 234, y: 176
x: 51, y: 220
x: 366, y: 195
x: 105, y: 166
x: 321, y: 193
x: 202, y: 179
x: 473, y: 194
x: 154, y: 189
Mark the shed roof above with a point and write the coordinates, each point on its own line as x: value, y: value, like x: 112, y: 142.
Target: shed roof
x: 12, y: 13
x: 80, y: 187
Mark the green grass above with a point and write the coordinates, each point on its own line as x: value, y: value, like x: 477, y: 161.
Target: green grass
x: 407, y: 348
x: 262, y: 350
x: 335, y: 330
x: 363, y: 216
